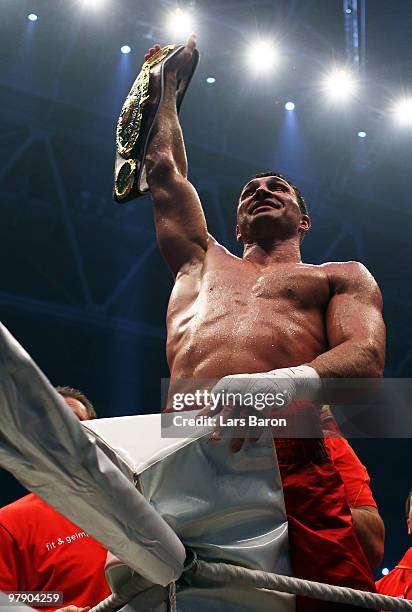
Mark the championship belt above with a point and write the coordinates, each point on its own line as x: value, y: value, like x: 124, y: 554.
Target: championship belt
x: 137, y: 118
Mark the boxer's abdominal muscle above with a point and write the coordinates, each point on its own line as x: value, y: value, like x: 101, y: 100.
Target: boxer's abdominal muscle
x: 231, y: 317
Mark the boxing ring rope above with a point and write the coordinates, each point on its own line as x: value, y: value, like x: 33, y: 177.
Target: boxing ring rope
x: 287, y: 584
x: 234, y: 574
x: 147, y: 599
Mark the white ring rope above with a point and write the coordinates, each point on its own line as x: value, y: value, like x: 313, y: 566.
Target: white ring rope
x: 223, y: 572
x: 151, y: 597
x: 233, y: 574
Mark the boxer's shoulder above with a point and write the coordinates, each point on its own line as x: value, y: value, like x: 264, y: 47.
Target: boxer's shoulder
x: 215, y: 252
x: 348, y: 275
x: 219, y: 257
x: 344, y: 267
x: 216, y: 249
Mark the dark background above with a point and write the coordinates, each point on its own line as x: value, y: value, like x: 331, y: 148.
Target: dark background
x: 83, y: 286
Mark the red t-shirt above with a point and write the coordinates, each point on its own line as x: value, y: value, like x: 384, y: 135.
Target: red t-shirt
x: 398, y: 582
x: 354, y: 474
x: 41, y: 550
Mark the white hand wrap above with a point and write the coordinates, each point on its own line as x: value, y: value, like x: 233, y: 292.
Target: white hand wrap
x: 297, y: 383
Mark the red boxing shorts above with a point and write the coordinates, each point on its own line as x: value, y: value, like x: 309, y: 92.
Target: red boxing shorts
x: 323, y: 543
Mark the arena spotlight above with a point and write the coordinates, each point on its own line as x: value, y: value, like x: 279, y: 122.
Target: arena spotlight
x: 403, y: 111
x: 340, y: 85
x: 362, y: 134
x: 290, y: 106
x: 180, y: 23
x: 385, y: 571
x: 125, y: 49
x: 32, y: 17
x: 262, y: 56
x: 93, y: 4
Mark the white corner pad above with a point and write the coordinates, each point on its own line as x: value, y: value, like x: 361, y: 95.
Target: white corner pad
x: 44, y: 446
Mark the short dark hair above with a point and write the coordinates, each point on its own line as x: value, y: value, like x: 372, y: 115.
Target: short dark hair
x: 80, y: 397
x: 408, y: 503
x: 301, y: 201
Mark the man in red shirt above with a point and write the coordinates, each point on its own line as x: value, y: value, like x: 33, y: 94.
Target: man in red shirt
x: 41, y: 550
x: 368, y: 524
x: 398, y: 582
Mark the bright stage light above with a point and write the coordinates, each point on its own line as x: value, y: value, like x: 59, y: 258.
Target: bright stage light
x: 340, y: 85
x: 93, y: 4
x: 180, y: 23
x: 125, y: 49
x: 290, y: 106
x: 262, y: 56
x: 362, y: 134
x: 403, y: 111
x: 32, y: 17
x: 210, y: 80
x: 385, y: 571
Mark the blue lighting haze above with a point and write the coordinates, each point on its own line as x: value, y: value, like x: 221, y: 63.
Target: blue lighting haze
x: 291, y: 154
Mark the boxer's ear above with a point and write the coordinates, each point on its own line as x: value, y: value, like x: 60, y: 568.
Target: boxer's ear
x: 305, y: 223
x: 238, y: 234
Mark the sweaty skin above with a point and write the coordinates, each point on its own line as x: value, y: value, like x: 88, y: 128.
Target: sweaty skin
x: 231, y: 315
x: 228, y: 315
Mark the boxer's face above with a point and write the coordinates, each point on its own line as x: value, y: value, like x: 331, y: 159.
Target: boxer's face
x: 77, y: 408
x: 268, y: 208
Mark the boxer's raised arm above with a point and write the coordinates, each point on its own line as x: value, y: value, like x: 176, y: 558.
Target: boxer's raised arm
x: 354, y: 325
x: 180, y: 222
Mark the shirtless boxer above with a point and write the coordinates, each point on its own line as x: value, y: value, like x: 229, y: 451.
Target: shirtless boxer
x: 263, y: 313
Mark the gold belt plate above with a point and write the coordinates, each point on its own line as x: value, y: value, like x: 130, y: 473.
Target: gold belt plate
x: 130, y: 119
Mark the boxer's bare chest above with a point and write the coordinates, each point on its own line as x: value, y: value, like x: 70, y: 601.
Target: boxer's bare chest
x: 237, y: 314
